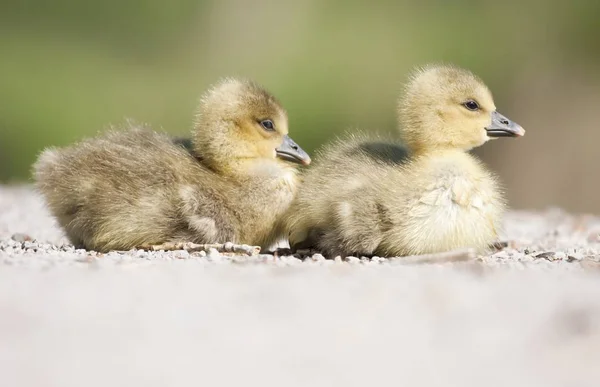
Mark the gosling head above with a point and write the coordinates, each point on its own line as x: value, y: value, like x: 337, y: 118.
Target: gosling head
x: 446, y: 107
x: 240, y: 128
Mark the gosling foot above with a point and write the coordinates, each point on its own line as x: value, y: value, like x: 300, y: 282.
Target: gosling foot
x: 459, y: 255
x: 227, y: 247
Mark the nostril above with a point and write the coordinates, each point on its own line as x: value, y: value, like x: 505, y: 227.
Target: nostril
x: 505, y: 122
x: 295, y: 147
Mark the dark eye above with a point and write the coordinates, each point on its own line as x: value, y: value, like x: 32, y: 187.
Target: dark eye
x: 471, y: 105
x: 268, y: 125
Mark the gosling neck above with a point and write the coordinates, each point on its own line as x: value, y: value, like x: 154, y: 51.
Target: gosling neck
x: 422, y: 149
x: 264, y: 171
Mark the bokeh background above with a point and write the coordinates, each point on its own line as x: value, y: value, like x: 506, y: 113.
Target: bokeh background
x: 69, y: 68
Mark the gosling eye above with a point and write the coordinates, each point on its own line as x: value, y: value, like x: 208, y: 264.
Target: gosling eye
x: 471, y: 105
x: 267, y: 125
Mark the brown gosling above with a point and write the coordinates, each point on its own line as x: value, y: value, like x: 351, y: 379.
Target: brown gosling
x: 368, y: 195
x: 136, y: 188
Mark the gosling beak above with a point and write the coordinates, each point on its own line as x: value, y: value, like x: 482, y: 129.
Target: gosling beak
x: 290, y: 151
x: 503, y: 127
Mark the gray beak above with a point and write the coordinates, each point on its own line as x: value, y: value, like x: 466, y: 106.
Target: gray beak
x: 503, y: 127
x: 290, y: 151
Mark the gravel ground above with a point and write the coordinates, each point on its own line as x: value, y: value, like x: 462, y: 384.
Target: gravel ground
x: 525, y: 316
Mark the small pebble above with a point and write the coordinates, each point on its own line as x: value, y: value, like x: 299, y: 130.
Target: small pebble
x: 29, y: 245
x: 20, y: 237
x: 501, y: 255
x: 214, y: 255
x: 140, y: 253
x: 200, y: 254
x: 352, y: 259
x: 560, y: 255
x: 182, y: 254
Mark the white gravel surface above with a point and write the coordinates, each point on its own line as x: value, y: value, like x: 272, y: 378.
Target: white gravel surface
x: 525, y: 316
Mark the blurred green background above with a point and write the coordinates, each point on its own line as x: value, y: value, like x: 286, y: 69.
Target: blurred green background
x: 69, y: 68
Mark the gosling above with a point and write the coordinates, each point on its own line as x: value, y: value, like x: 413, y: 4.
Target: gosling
x: 136, y: 188
x: 368, y: 195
